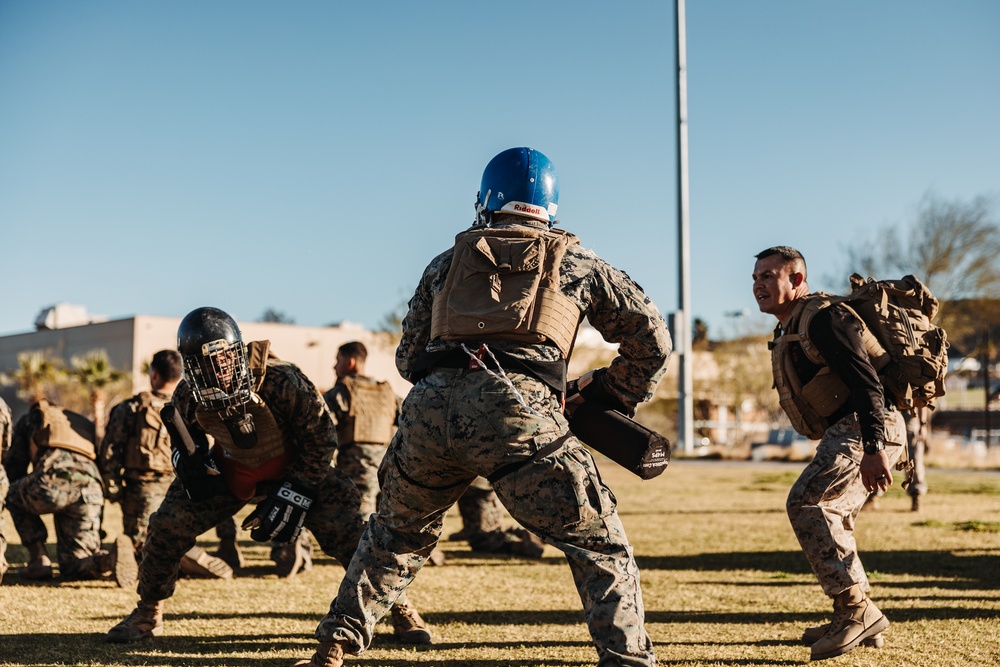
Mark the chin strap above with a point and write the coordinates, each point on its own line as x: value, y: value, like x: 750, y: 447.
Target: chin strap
x: 482, y: 215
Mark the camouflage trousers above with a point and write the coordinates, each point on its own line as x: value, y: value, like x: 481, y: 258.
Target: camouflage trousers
x: 4, y: 487
x: 480, y: 508
x: 66, y: 486
x: 456, y: 425
x: 360, y: 462
x: 916, y: 447
x: 139, y: 499
x: 482, y: 522
x: 824, y: 503
x: 333, y: 520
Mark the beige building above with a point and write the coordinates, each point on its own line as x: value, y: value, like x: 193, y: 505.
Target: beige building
x: 131, y: 342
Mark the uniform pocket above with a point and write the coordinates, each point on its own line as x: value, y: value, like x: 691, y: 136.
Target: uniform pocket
x: 560, y: 491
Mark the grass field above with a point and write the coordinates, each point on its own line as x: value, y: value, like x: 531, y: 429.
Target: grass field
x: 723, y: 579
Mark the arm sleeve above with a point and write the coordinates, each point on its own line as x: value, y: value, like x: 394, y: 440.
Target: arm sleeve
x: 307, y: 419
x: 111, y: 457
x: 623, y: 314
x: 836, y: 332
x: 18, y: 457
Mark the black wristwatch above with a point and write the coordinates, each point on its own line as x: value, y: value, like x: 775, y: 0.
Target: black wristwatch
x: 874, y: 446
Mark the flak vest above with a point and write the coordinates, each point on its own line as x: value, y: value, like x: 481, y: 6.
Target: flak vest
x: 503, y: 284
x: 372, y: 413
x: 254, y: 442
x: 148, y: 447
x: 63, y: 429
x: 808, y: 405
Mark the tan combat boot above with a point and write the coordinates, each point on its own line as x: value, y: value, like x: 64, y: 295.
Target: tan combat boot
x: 39, y: 565
x: 815, y: 633
x: 291, y: 558
x: 120, y: 563
x: 855, y: 619
x: 199, y: 563
x: 329, y: 654
x: 407, y: 625
x: 144, y: 622
x: 229, y: 551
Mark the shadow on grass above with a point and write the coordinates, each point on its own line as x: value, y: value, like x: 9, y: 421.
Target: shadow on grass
x: 977, y: 568
x: 173, y: 651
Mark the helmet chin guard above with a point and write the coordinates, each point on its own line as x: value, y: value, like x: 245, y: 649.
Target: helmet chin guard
x: 215, y: 360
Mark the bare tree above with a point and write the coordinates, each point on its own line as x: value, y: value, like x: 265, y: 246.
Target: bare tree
x: 953, y: 247
x: 276, y: 317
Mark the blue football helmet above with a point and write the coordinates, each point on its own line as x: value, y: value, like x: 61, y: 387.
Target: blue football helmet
x: 519, y: 181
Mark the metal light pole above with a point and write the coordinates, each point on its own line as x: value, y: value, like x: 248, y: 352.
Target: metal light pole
x: 682, y: 326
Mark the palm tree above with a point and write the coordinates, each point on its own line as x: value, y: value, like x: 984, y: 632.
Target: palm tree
x: 36, y: 372
x: 94, y: 371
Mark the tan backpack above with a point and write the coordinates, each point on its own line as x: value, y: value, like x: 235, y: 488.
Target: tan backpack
x: 899, y: 313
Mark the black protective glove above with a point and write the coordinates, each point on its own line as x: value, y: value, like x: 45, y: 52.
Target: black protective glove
x: 196, y: 470
x: 279, y: 517
x: 198, y: 474
x: 590, y: 387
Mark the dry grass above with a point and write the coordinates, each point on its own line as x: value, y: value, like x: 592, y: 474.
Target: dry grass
x: 723, y: 579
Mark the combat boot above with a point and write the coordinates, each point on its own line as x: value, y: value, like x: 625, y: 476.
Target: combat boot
x: 855, y: 619
x: 813, y: 634
x: 407, y: 625
x: 39, y: 566
x: 144, y: 622
x: 436, y: 557
x: 120, y: 563
x: 329, y: 654
x: 915, y: 503
x: 528, y: 544
x: 199, y: 563
x: 291, y: 558
x: 229, y: 551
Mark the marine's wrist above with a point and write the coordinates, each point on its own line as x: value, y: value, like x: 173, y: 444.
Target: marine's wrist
x: 873, y: 447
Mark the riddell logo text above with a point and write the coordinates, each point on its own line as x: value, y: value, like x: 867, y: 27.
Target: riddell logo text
x: 522, y: 208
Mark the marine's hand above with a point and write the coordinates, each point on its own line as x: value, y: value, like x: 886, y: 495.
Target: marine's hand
x: 280, y: 516
x: 197, y: 473
x: 875, y: 472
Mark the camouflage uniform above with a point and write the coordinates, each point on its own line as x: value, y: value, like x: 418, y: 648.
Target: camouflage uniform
x: 916, y: 447
x: 63, y: 483
x: 135, y: 464
x: 358, y: 460
x: 303, y: 416
x: 135, y: 461
x: 457, y: 424
x: 482, y: 524
x: 5, y: 434
x: 824, y: 502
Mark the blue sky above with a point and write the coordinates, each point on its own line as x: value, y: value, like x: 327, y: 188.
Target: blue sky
x: 312, y: 157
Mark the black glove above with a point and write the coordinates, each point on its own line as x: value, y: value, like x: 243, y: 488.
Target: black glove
x: 198, y: 474
x: 590, y: 387
x: 279, y: 517
x: 196, y: 470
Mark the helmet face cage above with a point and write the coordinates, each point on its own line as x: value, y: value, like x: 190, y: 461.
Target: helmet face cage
x: 220, y: 376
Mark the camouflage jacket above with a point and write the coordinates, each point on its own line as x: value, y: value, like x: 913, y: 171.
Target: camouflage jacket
x: 6, y: 426
x: 62, y: 462
x: 121, y: 433
x: 613, y: 303
x: 300, y: 412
